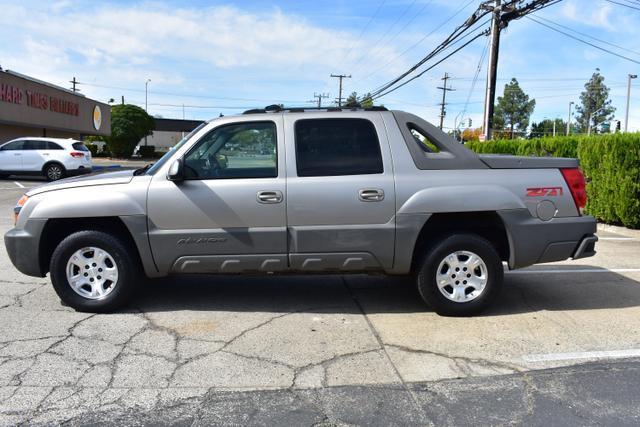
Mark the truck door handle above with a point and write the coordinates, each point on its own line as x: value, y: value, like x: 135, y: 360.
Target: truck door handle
x: 269, y: 196
x: 371, y: 195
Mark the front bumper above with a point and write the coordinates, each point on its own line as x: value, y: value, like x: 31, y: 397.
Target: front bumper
x: 23, y: 247
x: 533, y: 241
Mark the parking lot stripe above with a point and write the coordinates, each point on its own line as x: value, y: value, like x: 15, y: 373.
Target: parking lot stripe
x: 18, y: 184
x: 576, y: 270
x: 616, y: 238
x: 606, y: 354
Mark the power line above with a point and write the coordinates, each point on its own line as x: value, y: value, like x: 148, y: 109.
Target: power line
x: 455, y: 36
x: 623, y: 4
x: 584, y: 41
x: 377, y: 43
x: 418, y: 42
x: 432, y: 66
x: 186, y: 95
x: 588, y: 35
x: 346, y: 55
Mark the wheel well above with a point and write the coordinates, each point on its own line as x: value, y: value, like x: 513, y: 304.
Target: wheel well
x: 55, y: 230
x: 44, y: 167
x: 486, y: 224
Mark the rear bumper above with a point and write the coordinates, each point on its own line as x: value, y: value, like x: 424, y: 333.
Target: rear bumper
x: 23, y: 247
x: 82, y: 170
x: 533, y: 241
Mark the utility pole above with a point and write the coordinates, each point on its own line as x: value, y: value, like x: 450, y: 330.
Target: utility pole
x: 445, y: 89
x: 146, y: 92
x: 626, y: 119
x: 340, y: 76
x: 492, y: 70
x: 554, y: 128
x: 320, y: 97
x: 74, y: 82
x: 569, y: 119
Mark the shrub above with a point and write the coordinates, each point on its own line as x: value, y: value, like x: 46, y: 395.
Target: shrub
x: 93, y: 148
x: 611, y: 164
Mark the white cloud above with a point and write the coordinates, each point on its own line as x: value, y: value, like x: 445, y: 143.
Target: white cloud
x: 577, y: 11
x: 223, y: 37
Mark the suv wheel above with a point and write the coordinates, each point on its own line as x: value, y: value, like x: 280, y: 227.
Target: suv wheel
x: 54, y: 172
x: 93, y: 271
x: 460, y: 275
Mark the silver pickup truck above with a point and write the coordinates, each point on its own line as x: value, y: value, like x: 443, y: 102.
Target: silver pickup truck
x: 279, y: 191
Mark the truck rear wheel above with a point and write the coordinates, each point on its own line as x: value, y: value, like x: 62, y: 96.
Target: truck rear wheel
x: 461, y: 275
x: 93, y: 271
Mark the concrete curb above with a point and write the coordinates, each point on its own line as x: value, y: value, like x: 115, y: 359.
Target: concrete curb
x: 619, y: 230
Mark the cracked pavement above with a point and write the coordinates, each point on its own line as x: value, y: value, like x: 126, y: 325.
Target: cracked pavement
x: 323, y: 350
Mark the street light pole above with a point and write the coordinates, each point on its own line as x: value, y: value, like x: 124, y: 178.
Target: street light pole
x: 569, y: 119
x: 626, y: 120
x: 146, y: 91
x: 591, y: 118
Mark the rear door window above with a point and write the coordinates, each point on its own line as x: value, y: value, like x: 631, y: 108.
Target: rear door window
x: 332, y: 147
x: 35, y: 144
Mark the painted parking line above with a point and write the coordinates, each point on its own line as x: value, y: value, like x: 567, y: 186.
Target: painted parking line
x: 605, y: 354
x: 617, y: 238
x: 18, y: 184
x: 577, y: 270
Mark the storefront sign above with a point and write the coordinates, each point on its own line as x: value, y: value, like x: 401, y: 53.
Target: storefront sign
x: 32, y: 103
x: 15, y: 95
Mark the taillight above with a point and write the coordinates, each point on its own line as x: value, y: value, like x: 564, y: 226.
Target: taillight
x: 76, y: 154
x: 577, y: 185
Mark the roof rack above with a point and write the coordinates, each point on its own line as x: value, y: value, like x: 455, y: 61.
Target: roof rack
x: 279, y: 109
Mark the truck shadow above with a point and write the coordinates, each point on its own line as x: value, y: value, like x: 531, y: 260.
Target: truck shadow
x: 522, y: 293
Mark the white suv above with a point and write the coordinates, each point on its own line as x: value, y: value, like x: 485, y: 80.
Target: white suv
x: 53, y: 158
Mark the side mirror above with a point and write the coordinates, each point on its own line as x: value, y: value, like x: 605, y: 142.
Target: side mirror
x: 176, y: 171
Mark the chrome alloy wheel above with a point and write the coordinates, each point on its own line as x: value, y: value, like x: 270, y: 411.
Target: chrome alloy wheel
x: 92, y: 273
x: 462, y: 276
x: 54, y: 172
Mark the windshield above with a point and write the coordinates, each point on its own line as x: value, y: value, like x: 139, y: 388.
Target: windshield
x: 162, y: 160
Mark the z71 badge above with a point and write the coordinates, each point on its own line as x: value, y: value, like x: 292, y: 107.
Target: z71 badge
x: 544, y: 191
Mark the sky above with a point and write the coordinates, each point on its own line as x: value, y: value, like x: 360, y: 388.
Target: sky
x: 218, y: 57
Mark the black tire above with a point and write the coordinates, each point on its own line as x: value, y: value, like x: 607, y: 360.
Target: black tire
x: 428, y: 269
x: 123, y: 256
x: 54, y: 171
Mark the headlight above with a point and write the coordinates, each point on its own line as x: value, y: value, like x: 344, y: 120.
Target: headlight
x: 18, y: 208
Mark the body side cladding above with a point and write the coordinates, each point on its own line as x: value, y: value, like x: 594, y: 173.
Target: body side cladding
x: 468, y: 198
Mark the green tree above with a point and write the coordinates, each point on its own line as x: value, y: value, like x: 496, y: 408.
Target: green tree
x: 129, y: 124
x: 513, y: 110
x: 595, y: 104
x: 545, y: 128
x: 354, y: 101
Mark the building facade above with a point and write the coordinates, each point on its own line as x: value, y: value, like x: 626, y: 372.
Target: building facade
x: 168, y: 132
x: 30, y: 107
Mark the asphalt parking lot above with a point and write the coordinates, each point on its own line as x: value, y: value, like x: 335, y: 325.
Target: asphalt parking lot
x: 561, y: 346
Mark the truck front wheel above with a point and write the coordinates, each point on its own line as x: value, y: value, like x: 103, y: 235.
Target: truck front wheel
x: 93, y: 271
x: 460, y: 275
